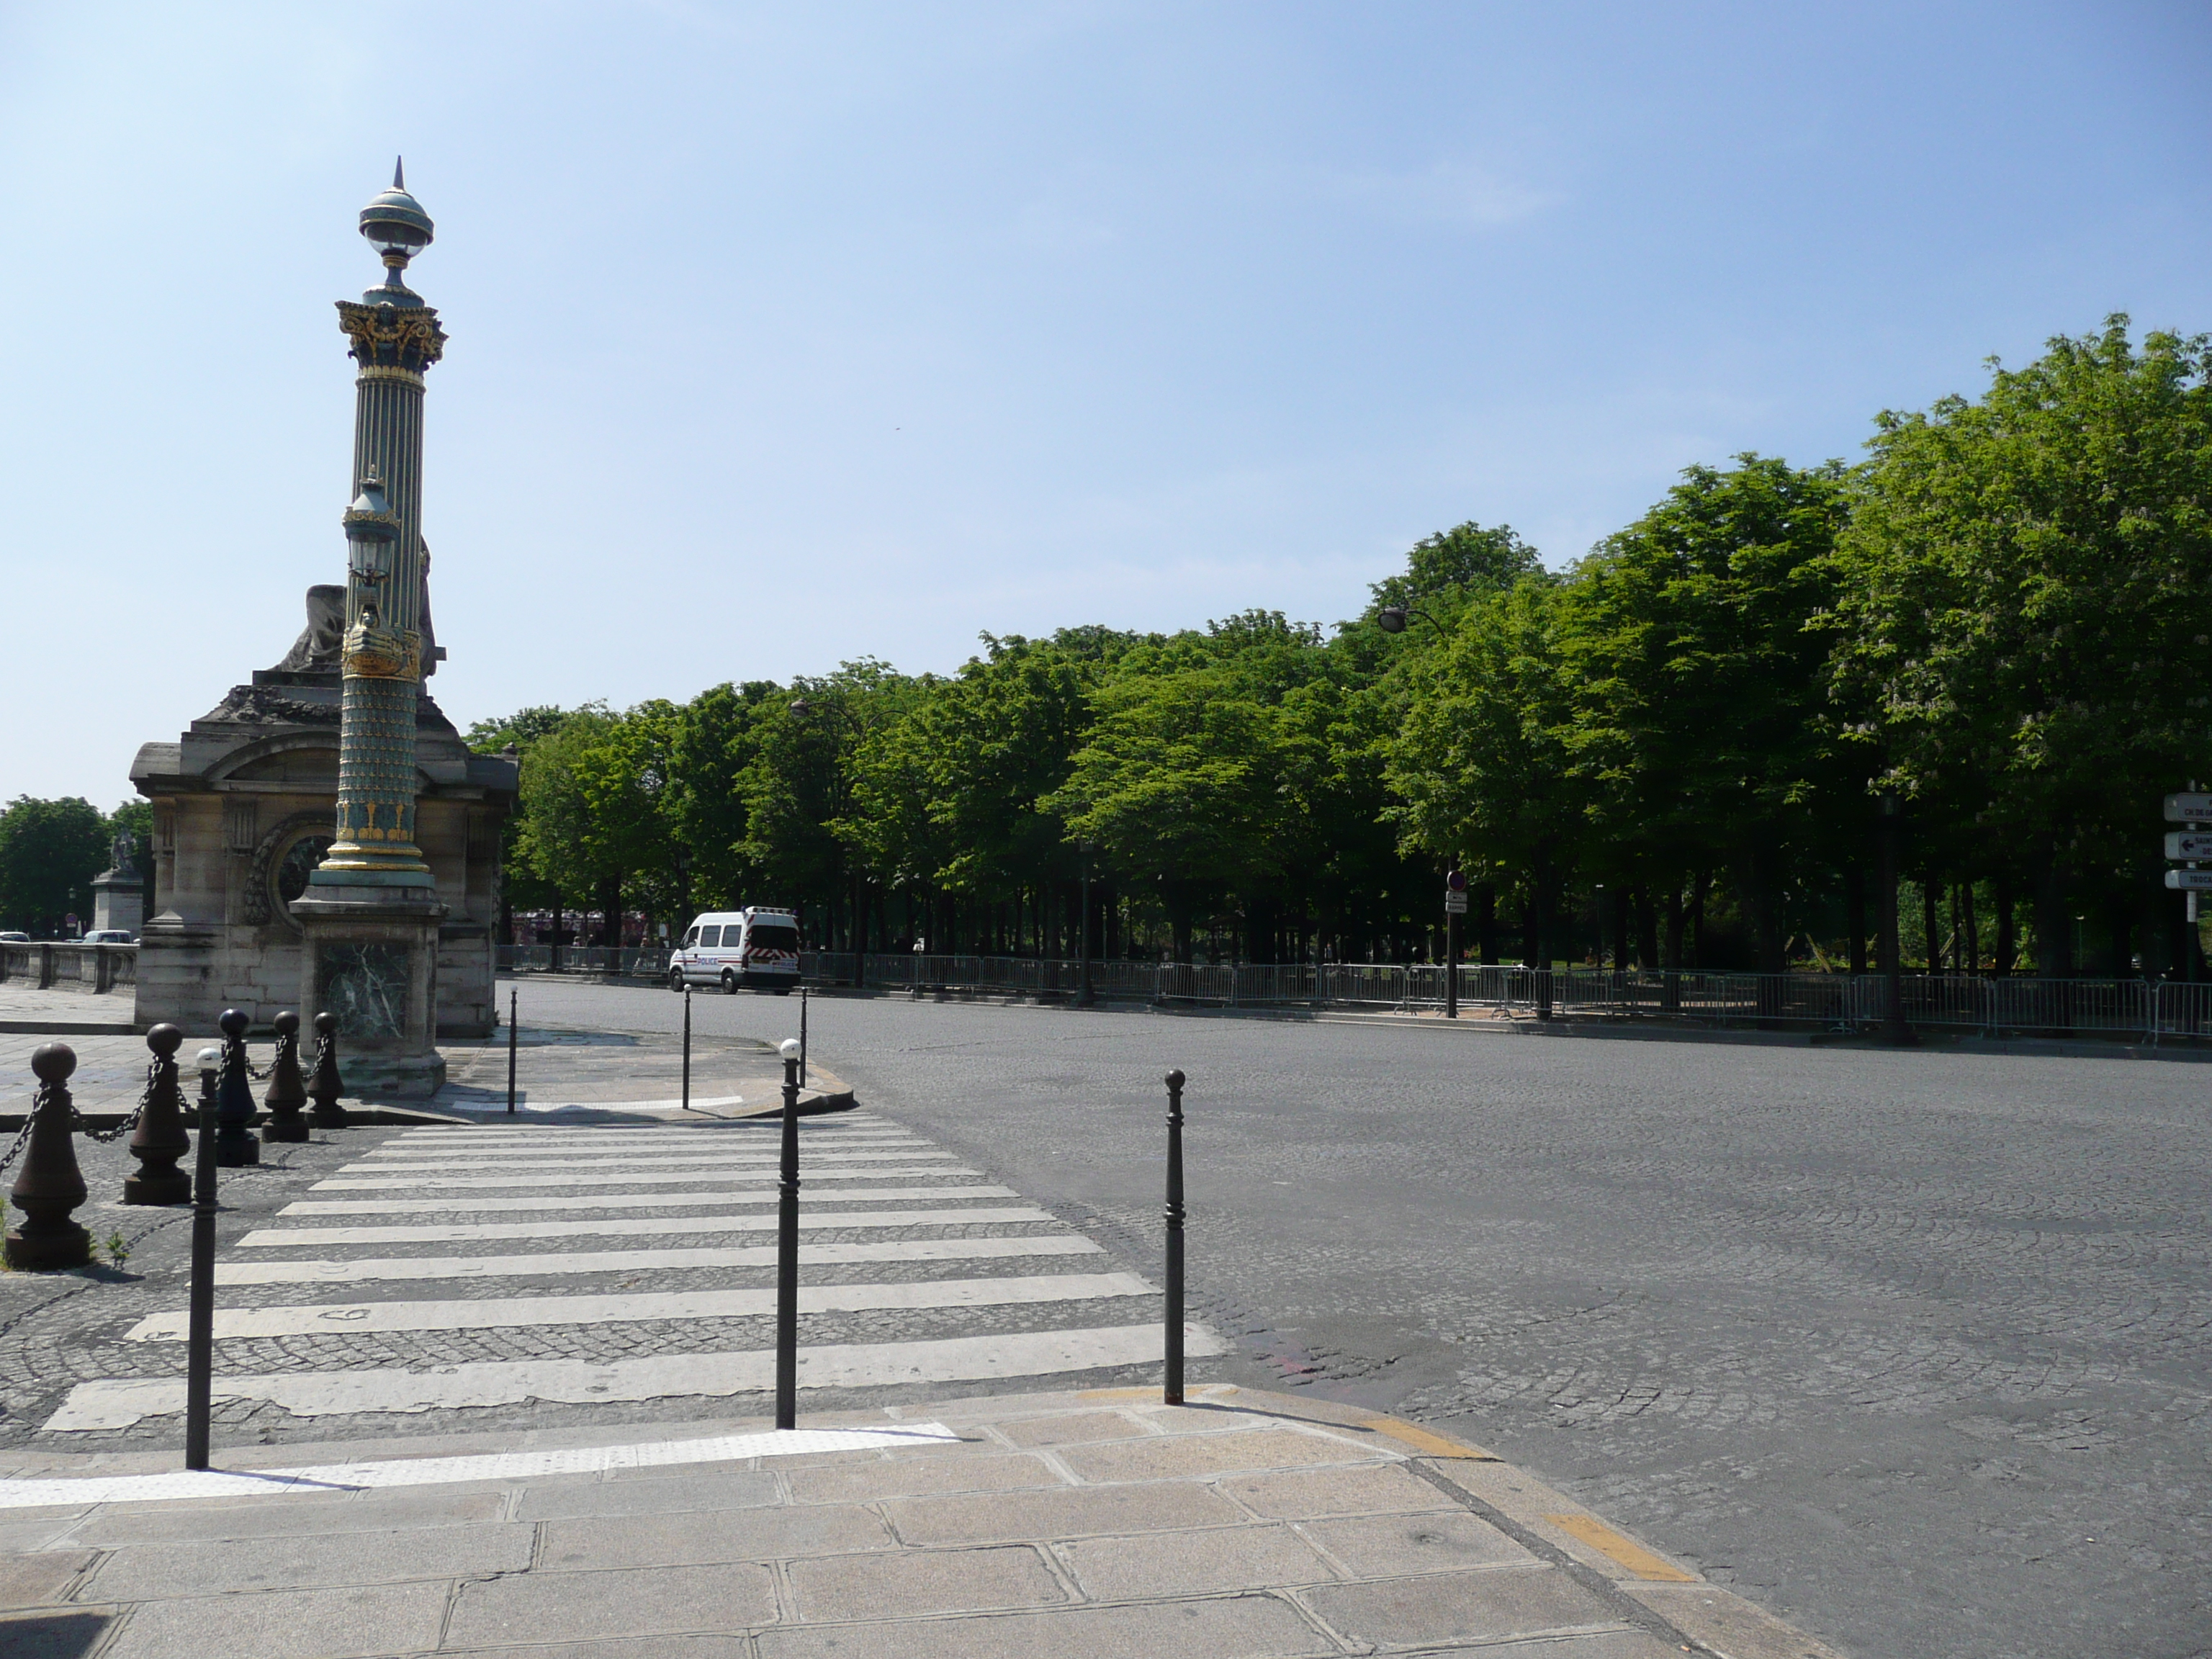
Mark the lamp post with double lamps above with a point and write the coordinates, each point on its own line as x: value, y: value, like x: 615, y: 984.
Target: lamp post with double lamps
x: 806, y: 711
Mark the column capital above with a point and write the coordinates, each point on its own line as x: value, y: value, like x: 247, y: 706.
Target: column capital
x: 386, y: 336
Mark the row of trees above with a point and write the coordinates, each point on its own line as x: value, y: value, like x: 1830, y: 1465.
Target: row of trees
x: 1673, y: 750
x: 50, y: 851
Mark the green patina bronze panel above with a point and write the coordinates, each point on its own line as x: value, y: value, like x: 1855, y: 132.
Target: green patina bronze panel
x: 366, y: 987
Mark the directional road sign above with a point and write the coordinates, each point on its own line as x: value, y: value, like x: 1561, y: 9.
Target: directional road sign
x: 2189, y: 881
x: 1455, y: 903
x: 2188, y: 844
x: 2188, y: 809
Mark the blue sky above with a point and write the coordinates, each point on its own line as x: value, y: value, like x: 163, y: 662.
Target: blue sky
x: 783, y: 335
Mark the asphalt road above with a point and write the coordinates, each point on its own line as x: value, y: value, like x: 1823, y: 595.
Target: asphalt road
x: 1910, y: 1347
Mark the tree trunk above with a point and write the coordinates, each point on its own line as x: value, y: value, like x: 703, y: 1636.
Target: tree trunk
x: 1855, y: 916
x: 1697, y: 886
x: 1647, y: 931
x: 611, y: 914
x: 1485, y: 923
x: 1928, y: 925
x: 1671, y: 994
x: 2054, y: 923
x: 2007, y: 941
x: 1970, y: 929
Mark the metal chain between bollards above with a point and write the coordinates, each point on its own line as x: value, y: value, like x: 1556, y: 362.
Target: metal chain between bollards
x: 77, y: 1119
x: 23, y: 1135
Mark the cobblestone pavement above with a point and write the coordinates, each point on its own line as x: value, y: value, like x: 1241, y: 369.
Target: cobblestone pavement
x: 1911, y: 1347
x: 443, y: 1280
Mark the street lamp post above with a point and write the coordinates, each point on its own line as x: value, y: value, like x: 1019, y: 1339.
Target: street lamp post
x: 1455, y: 908
x: 803, y: 708
x: 1894, y: 1026
x: 1392, y: 618
x: 1088, y: 995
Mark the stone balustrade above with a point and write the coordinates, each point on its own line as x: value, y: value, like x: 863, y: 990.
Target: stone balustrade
x: 61, y: 965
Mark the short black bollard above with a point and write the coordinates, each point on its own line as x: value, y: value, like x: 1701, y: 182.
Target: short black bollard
x: 323, y: 1083
x: 287, y: 1096
x: 512, y: 1038
x: 787, y: 1249
x: 687, y: 1046
x: 1172, y: 1392
x: 49, y: 1185
x: 235, y: 1143
x: 160, y: 1138
x: 199, y: 1329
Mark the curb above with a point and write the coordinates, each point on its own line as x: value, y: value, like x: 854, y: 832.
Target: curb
x: 1553, y: 1526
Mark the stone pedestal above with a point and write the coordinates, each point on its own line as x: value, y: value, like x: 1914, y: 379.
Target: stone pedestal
x: 119, y: 900
x: 372, y: 962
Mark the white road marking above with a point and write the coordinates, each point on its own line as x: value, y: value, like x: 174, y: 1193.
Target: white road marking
x: 618, y: 1226
x: 769, y: 1153
x: 118, y: 1403
x: 339, y: 1479
x: 855, y: 1179
x: 484, y: 1135
x: 502, y: 1313
x: 732, y: 1166
x: 565, y: 1143
x: 309, y: 1271
x: 763, y: 1194
x: 579, y: 1158
x: 716, y: 1169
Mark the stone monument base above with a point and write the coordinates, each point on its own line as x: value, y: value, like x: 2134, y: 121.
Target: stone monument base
x: 371, y: 959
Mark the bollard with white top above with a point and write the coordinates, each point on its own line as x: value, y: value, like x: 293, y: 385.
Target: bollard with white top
x: 787, y: 1249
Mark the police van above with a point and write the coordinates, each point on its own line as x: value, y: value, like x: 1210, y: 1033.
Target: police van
x: 754, y: 948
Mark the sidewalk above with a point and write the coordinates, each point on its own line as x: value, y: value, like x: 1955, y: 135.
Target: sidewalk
x: 1076, y: 1526
x: 561, y: 1075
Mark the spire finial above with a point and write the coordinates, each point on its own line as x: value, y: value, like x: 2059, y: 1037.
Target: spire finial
x: 399, y: 172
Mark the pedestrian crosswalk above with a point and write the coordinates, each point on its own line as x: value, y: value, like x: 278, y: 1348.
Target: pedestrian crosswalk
x: 479, y: 1265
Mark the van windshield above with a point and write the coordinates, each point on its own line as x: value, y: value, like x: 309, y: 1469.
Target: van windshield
x: 772, y: 936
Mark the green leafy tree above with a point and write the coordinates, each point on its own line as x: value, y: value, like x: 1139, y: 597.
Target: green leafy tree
x: 522, y: 885
x: 1466, y: 558
x: 715, y: 744
x: 1482, y: 767
x: 2027, y: 605
x: 596, y: 797
x: 1700, y: 682
x: 800, y: 788
x: 50, y: 851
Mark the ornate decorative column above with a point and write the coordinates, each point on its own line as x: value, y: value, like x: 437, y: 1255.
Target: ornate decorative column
x: 370, y: 910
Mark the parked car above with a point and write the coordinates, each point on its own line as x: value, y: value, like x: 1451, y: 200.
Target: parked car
x: 110, y: 936
x: 14, y: 939
x: 729, y: 948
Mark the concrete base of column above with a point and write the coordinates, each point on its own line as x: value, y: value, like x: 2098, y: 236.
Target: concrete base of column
x: 371, y: 960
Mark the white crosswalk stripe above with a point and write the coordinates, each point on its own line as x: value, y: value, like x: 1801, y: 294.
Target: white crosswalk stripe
x: 896, y: 1289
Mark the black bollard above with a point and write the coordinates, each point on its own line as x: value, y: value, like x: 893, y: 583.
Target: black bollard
x: 287, y: 1096
x: 323, y: 1084
x: 235, y: 1143
x: 511, y: 1039
x: 49, y: 1185
x: 161, y: 1139
x: 687, y: 1046
x: 1172, y: 1392
x: 199, y: 1329
x: 802, y: 1036
x: 786, y: 1249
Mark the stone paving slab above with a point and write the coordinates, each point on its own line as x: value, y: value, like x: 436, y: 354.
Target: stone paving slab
x: 1099, y: 1526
